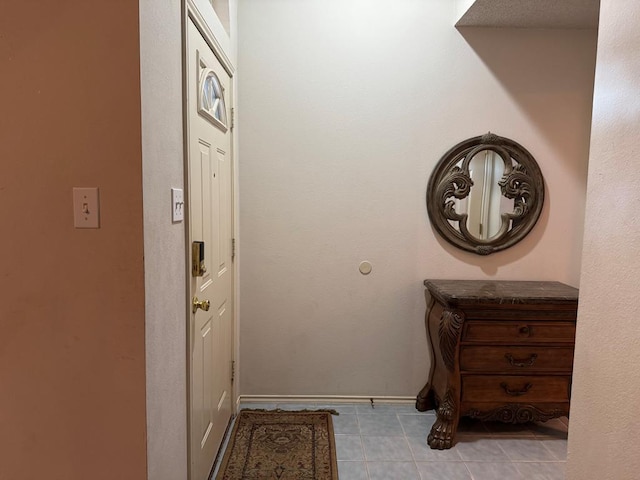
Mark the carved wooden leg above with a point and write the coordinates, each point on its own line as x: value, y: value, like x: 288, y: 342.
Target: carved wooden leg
x: 444, y: 429
x: 425, y: 399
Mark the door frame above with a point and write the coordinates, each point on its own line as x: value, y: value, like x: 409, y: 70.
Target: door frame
x: 201, y: 13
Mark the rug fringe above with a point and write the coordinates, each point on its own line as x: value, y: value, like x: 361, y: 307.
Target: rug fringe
x: 280, y: 410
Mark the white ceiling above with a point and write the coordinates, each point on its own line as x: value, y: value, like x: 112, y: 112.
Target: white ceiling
x: 532, y: 14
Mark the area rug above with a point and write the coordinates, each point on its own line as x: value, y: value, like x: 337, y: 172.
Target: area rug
x: 280, y: 445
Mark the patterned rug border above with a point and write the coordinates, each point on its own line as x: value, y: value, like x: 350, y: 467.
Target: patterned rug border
x: 284, y: 410
x: 231, y: 442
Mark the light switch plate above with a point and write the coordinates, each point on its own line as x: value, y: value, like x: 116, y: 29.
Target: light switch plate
x: 177, y: 205
x: 86, y: 207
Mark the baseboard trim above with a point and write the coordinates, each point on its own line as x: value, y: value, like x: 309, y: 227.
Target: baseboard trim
x: 324, y: 399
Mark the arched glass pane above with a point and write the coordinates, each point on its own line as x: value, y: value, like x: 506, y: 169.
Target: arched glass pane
x: 212, y: 103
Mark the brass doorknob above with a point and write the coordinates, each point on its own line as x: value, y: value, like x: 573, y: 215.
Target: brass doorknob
x: 200, y: 304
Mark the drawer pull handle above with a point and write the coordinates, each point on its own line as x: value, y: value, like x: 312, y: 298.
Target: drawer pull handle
x: 515, y: 393
x: 521, y: 363
x: 525, y: 331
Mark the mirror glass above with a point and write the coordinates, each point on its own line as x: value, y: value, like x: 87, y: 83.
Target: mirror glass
x: 485, y: 203
x: 485, y: 194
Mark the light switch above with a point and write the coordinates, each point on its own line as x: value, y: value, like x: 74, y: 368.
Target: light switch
x: 86, y: 207
x: 177, y: 205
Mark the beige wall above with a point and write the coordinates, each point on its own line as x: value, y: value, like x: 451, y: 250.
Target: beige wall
x: 164, y: 241
x: 72, y: 365
x: 344, y: 110
x: 605, y: 426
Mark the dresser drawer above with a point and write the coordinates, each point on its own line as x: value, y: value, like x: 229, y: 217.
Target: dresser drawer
x: 519, y: 332
x: 516, y: 388
x: 513, y: 359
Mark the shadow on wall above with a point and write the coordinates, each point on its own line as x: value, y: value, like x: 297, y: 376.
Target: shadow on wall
x: 543, y: 67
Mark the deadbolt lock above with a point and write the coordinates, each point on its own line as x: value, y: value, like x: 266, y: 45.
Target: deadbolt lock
x: 197, y: 259
x: 200, y: 304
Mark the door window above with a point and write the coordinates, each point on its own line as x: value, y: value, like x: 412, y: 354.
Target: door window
x: 211, y: 104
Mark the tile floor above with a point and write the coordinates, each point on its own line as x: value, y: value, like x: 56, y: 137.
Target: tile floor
x: 388, y: 442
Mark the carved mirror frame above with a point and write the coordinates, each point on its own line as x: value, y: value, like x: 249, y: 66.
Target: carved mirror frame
x: 522, y: 181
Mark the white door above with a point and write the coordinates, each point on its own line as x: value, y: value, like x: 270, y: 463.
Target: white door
x: 210, y: 221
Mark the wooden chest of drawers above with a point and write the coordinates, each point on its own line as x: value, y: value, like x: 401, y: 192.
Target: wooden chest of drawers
x: 501, y: 350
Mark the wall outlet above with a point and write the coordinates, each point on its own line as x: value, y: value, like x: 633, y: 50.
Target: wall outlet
x: 177, y: 205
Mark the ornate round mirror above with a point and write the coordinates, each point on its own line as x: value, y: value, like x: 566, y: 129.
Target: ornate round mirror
x: 485, y: 194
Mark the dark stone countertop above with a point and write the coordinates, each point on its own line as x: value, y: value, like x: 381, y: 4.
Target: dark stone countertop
x: 467, y: 292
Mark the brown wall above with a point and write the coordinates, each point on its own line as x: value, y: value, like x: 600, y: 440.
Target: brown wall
x: 72, y: 385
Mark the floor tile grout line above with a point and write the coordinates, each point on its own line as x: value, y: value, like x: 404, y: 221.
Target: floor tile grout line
x: 406, y: 439
x: 505, y: 452
x: 551, y: 452
x: 364, y: 453
x: 366, y: 466
x: 469, y: 471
